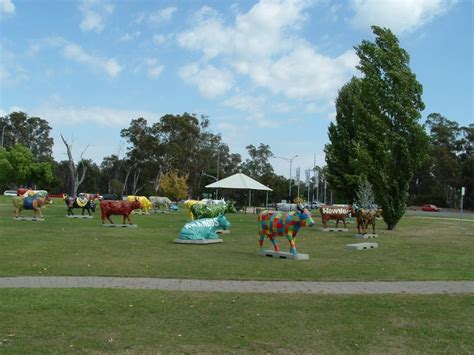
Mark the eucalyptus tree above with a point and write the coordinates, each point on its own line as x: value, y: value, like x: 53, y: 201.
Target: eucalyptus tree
x: 31, y: 132
x: 18, y: 167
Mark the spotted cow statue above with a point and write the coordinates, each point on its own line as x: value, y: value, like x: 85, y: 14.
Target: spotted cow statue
x: 275, y: 223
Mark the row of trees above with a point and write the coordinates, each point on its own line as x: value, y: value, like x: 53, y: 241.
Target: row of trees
x: 177, y: 148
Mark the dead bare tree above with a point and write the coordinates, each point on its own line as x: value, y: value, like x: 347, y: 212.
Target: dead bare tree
x: 74, y: 170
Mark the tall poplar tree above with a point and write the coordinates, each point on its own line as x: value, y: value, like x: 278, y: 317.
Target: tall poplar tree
x: 390, y: 144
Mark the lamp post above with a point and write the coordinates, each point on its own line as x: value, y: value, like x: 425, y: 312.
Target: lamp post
x: 291, y: 162
x: 214, y: 177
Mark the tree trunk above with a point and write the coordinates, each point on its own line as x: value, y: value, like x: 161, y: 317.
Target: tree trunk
x: 391, y: 226
x: 73, y: 170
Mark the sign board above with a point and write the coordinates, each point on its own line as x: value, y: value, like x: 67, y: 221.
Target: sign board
x: 463, y: 191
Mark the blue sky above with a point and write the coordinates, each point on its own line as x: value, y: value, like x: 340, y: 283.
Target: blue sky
x: 262, y: 71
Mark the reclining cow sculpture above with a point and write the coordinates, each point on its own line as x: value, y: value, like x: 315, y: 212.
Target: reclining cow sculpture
x: 204, y: 228
x: 274, y: 223
x: 123, y: 208
x: 337, y: 213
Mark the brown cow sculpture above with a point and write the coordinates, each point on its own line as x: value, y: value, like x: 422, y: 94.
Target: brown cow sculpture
x: 366, y: 217
x: 123, y: 208
x: 337, y: 213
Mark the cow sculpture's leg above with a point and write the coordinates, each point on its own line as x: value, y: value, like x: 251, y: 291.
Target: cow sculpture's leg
x: 291, y: 239
x: 274, y: 242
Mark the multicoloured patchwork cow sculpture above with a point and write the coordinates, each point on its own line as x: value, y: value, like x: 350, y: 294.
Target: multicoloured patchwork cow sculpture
x: 204, y: 228
x: 274, y: 223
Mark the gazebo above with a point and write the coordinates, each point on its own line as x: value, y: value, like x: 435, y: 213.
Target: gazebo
x: 240, y: 181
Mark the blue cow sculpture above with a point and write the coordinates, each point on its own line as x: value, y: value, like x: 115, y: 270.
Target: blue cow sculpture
x: 204, y: 228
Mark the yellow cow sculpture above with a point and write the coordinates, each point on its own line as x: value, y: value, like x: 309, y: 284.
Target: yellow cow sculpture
x: 145, y: 202
x: 189, y: 204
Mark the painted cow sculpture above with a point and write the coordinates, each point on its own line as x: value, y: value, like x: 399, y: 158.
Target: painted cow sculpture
x: 210, y: 211
x: 337, y: 213
x: 275, y: 223
x: 366, y: 217
x: 124, y: 208
x: 160, y: 203
x: 146, y: 204
x: 85, y: 202
x: 286, y: 207
x: 33, y: 202
x: 204, y: 228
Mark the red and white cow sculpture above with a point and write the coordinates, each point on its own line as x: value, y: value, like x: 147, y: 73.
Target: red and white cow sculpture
x: 123, y: 208
x: 337, y: 213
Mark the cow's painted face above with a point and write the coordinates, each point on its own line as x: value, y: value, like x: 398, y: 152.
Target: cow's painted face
x: 306, y: 218
x: 223, y: 222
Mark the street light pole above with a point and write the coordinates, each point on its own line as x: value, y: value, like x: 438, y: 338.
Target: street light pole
x: 291, y: 162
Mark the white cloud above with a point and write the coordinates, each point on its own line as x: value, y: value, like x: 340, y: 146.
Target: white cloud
x: 75, y: 52
x: 162, y: 16
x: 12, y: 72
x: 159, y: 38
x: 126, y: 37
x: 153, y: 68
x: 263, y: 44
x: 398, y: 15
x: 103, y: 116
x: 7, y: 7
x: 245, y: 103
x: 94, y: 14
x: 210, y: 81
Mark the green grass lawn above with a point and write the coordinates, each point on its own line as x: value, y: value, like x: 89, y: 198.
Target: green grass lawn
x: 419, y: 249
x: 143, y: 321
x: 138, y: 321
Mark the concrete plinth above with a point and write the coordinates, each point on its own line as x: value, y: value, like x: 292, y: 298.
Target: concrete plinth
x: 334, y: 229
x: 365, y: 236
x: 362, y: 246
x: 142, y: 213
x: 120, y: 225
x: 34, y: 219
x: 223, y: 231
x: 283, y: 255
x: 198, y: 241
x: 79, y: 217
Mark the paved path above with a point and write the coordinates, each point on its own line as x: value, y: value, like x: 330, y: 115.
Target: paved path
x: 376, y: 287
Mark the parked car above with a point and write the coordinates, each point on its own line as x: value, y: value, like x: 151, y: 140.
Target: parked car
x: 9, y: 193
x: 430, y: 208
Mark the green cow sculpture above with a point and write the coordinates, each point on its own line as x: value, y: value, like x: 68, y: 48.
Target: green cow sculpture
x: 210, y: 211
